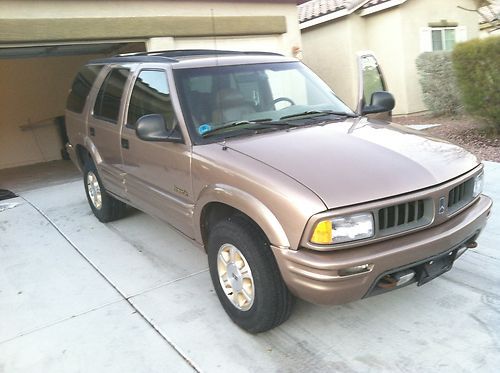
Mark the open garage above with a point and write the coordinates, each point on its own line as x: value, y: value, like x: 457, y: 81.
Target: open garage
x: 134, y: 295
x: 43, y: 43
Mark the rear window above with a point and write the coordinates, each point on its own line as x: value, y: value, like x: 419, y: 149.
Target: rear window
x: 107, y: 103
x: 81, y: 87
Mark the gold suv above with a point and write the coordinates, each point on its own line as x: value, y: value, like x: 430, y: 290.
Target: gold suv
x: 289, y: 191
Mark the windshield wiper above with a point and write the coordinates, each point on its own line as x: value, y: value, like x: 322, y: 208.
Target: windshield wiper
x: 262, y: 122
x: 318, y: 113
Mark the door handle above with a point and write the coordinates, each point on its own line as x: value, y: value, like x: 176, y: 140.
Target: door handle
x: 124, y: 143
x: 92, y: 131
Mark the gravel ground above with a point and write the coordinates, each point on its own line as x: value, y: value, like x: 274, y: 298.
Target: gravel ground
x: 464, y: 131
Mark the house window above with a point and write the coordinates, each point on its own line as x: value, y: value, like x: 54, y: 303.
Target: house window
x: 443, y: 39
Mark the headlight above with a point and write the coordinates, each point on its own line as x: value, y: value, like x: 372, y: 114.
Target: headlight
x: 343, y: 229
x: 478, y: 185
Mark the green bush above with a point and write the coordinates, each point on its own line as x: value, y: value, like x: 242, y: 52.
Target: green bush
x: 477, y: 68
x: 437, y: 79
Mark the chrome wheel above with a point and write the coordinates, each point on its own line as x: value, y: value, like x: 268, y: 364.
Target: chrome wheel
x: 235, y: 277
x: 94, y: 190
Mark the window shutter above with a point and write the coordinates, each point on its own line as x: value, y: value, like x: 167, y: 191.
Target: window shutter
x: 461, y: 34
x: 425, y: 39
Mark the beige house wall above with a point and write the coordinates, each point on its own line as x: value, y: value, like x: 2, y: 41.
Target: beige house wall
x: 34, y: 90
x: 419, y: 13
x: 394, y: 37
x: 328, y: 51
x: 387, y: 42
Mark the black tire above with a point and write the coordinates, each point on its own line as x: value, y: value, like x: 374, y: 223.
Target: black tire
x: 110, y: 208
x: 272, y: 302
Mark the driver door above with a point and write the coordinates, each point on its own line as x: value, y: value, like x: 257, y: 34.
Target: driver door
x: 158, y: 173
x: 371, y: 79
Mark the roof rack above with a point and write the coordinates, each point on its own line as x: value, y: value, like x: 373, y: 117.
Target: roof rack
x: 194, y: 52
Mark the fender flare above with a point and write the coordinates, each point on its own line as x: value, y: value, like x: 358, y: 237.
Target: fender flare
x: 244, y: 202
x: 92, y: 149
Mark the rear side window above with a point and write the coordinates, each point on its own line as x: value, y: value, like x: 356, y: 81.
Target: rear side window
x: 81, y: 87
x: 107, y: 103
x: 150, y: 96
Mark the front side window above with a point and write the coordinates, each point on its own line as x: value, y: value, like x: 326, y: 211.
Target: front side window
x: 263, y: 94
x: 150, y: 95
x: 107, y: 104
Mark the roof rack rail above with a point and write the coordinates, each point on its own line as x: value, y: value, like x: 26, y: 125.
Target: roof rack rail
x: 194, y: 52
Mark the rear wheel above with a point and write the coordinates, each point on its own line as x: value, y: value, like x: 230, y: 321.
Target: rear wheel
x: 105, y: 207
x: 246, y: 277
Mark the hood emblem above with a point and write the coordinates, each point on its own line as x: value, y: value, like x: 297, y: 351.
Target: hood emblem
x: 442, y: 206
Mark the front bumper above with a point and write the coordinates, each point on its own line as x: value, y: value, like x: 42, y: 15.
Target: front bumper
x: 314, y: 276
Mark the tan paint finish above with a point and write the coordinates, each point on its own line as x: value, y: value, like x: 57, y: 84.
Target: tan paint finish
x: 284, y: 181
x: 244, y: 202
x: 337, y: 161
x: 274, y: 191
x: 434, y: 194
x: 158, y: 180
x: 313, y: 275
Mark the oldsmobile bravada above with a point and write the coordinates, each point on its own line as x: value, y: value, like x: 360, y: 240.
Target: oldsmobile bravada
x: 290, y: 192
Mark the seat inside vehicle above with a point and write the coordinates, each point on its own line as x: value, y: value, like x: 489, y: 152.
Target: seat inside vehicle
x: 231, y: 106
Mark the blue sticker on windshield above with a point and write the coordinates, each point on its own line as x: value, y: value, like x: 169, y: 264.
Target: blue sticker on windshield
x: 204, y: 128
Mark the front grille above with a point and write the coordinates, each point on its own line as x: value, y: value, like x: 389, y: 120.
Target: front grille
x: 405, y: 216
x: 460, y: 195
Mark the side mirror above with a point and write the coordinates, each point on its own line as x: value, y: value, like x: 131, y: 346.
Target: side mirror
x: 380, y: 102
x: 152, y: 127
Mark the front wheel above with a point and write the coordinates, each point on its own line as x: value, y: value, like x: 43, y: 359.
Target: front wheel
x: 246, y: 277
x: 105, y: 207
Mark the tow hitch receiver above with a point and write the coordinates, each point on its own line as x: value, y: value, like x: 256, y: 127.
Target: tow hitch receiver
x: 435, y: 267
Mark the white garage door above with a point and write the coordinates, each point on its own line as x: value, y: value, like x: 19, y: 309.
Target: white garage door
x: 271, y: 43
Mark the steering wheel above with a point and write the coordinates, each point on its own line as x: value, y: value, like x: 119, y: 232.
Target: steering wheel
x: 286, y: 99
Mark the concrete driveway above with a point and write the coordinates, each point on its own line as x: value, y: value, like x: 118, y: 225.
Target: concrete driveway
x: 135, y: 296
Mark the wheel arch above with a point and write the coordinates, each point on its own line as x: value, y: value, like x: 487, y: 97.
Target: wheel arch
x: 85, y: 151
x: 218, y: 201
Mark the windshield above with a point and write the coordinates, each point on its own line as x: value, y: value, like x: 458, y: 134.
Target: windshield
x: 227, y: 100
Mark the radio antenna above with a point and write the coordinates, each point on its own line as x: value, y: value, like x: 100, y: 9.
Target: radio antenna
x: 214, y: 35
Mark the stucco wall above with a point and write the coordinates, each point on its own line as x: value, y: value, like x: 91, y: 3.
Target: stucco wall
x: 419, y: 13
x: 386, y: 40
x: 393, y: 35
x: 329, y: 52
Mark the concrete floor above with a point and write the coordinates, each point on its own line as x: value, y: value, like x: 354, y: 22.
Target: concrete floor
x: 135, y: 296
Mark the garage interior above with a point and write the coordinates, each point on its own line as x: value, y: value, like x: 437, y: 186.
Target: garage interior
x: 43, y: 44
x: 35, y: 82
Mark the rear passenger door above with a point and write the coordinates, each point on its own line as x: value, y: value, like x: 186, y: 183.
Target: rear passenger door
x: 158, y: 173
x: 104, y: 128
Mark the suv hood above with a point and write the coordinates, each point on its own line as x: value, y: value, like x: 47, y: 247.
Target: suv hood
x: 358, y: 160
